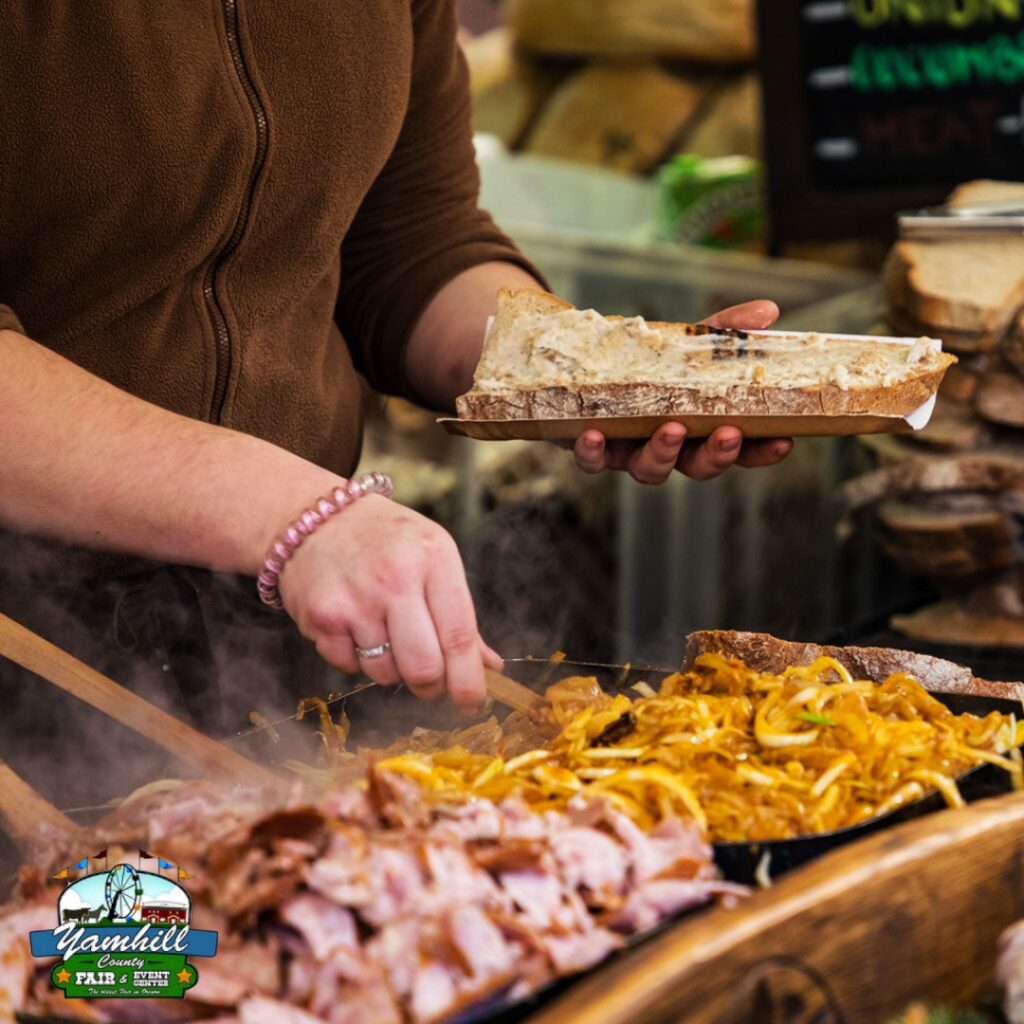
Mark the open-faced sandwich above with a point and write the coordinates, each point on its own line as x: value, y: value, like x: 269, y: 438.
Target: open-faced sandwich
x: 545, y: 360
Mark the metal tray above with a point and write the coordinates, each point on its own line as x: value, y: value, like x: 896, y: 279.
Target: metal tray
x: 380, y: 715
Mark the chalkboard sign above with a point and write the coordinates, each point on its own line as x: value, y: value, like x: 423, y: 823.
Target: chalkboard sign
x: 872, y: 106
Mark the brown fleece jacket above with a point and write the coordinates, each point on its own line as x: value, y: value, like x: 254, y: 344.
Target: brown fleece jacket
x: 232, y: 207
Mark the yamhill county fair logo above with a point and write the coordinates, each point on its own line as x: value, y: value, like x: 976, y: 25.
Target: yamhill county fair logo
x: 123, y: 932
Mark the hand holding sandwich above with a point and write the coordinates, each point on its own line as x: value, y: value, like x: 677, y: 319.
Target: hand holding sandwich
x: 654, y: 461
x: 445, y: 349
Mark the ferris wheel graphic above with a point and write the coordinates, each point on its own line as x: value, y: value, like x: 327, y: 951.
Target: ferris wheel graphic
x: 123, y: 892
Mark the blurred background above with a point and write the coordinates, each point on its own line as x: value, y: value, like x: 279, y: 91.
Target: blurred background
x: 668, y: 158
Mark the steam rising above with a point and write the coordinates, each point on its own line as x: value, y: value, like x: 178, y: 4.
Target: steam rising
x: 208, y: 654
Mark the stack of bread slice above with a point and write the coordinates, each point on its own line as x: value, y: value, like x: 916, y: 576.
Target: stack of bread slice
x: 949, y: 500
x: 969, y: 292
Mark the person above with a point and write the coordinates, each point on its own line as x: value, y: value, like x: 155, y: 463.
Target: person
x: 212, y: 221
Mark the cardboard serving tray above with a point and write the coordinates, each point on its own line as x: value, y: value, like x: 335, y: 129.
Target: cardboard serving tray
x: 623, y: 428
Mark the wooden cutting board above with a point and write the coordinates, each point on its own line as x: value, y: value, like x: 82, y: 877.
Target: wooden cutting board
x: 911, y: 913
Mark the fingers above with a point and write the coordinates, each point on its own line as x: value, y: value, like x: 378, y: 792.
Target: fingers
x: 713, y: 456
x: 382, y: 668
x: 590, y: 451
x: 750, y: 316
x: 648, y: 463
x: 339, y: 651
x: 451, y: 609
x: 756, y: 454
x: 654, y: 462
x: 416, y: 648
x: 492, y: 659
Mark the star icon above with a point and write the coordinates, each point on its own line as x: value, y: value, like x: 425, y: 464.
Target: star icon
x: 62, y: 977
x: 184, y: 975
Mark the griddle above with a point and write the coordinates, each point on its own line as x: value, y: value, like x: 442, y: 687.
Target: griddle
x: 379, y: 715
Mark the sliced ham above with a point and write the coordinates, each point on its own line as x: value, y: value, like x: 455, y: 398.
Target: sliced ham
x: 325, y: 926
x: 234, y: 973
x: 591, y: 860
x: 474, y: 821
x: 657, y: 899
x: 537, y: 895
x: 480, y: 942
x: 577, y: 951
x: 16, y: 963
x: 261, y: 1010
x: 350, y: 804
x: 395, y: 951
x: 673, y: 847
x: 396, y: 884
x: 452, y: 871
x: 379, y: 907
x: 434, y: 992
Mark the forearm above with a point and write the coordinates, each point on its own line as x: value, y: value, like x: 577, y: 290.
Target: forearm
x: 444, y: 347
x: 84, y: 462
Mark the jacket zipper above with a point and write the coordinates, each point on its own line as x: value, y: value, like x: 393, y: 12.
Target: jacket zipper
x: 212, y: 293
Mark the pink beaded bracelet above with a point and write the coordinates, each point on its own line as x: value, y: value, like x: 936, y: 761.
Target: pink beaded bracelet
x: 288, y: 542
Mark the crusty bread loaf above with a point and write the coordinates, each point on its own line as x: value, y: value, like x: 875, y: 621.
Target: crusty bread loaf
x: 765, y: 653
x: 731, y: 123
x: 707, y: 32
x: 624, y: 116
x: 543, y: 359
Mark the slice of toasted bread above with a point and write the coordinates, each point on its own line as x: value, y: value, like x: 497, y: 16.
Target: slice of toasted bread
x: 1000, y: 399
x: 543, y: 359
x: 947, y: 543
x: 990, y: 472
x: 967, y: 290
x: 1012, y: 350
x: 962, y: 343
x: 969, y: 286
x: 947, y: 623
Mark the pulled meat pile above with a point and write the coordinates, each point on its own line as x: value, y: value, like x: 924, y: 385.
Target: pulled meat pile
x: 373, y: 904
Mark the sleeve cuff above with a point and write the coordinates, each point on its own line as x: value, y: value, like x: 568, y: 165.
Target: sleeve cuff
x: 423, y: 285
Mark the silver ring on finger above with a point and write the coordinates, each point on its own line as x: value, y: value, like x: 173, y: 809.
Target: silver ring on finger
x: 369, y: 653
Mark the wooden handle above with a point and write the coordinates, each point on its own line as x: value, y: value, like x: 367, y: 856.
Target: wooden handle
x: 512, y: 694
x: 37, y: 655
x: 28, y: 818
